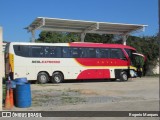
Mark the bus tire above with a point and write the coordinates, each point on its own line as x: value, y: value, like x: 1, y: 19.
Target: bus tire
x: 57, y: 77
x: 123, y: 76
x: 42, y: 78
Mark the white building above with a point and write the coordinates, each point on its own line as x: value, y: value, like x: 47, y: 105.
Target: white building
x: 156, y: 68
x: 4, y: 45
x: 153, y: 69
x: 3, y: 63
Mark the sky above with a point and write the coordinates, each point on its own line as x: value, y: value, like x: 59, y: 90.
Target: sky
x: 15, y: 15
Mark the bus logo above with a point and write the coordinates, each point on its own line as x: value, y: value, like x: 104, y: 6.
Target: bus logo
x: 48, y: 61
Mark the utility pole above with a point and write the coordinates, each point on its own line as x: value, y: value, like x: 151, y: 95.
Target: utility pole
x: 1, y: 65
x: 159, y: 35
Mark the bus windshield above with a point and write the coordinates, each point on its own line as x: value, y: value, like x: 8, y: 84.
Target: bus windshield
x: 136, y: 58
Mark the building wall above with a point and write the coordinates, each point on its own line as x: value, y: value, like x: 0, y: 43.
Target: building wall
x: 151, y: 70
x: 4, y: 45
x: 156, y: 69
x: 3, y: 62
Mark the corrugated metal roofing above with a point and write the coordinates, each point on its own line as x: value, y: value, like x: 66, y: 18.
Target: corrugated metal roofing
x: 66, y: 25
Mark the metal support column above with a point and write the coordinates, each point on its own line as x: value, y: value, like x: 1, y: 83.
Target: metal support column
x: 83, y: 36
x: 33, y: 35
x: 124, y: 39
x: 2, y: 65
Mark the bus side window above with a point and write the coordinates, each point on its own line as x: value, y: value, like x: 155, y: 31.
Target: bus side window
x: 53, y: 52
x: 75, y: 52
x: 121, y: 54
x: 21, y: 50
x: 17, y: 50
x: 26, y: 51
x: 98, y: 53
x: 66, y: 52
x: 46, y: 51
x: 117, y: 53
x: 114, y: 53
x: 82, y: 52
x: 58, y: 52
x: 104, y: 53
x: 37, y: 51
x: 91, y: 52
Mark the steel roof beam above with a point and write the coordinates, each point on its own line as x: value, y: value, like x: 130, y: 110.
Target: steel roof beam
x: 83, y: 27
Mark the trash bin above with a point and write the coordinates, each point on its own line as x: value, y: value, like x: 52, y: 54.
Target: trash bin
x: 21, y: 80
x: 23, y: 95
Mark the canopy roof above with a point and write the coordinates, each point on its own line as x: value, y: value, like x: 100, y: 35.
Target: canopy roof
x: 80, y: 26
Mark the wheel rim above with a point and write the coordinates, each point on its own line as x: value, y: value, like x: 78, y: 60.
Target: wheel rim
x: 124, y: 77
x: 57, y: 78
x: 43, y: 78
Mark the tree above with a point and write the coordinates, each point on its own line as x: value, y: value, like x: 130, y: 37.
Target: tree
x: 97, y: 38
x: 57, y: 37
x: 147, y: 45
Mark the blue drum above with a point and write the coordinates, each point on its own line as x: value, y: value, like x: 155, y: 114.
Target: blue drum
x: 23, y: 95
x: 21, y: 80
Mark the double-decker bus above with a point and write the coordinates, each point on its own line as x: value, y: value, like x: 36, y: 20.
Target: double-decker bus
x: 57, y: 62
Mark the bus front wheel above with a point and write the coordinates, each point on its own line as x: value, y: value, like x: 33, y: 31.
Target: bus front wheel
x: 42, y: 78
x: 57, y: 77
x: 123, y: 76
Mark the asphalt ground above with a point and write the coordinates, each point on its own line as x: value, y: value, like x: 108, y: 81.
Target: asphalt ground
x: 139, y: 94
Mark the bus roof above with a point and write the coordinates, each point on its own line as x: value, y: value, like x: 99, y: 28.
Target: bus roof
x: 77, y: 44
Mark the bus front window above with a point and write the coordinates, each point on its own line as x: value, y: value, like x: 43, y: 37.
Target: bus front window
x: 139, y: 60
x: 136, y: 60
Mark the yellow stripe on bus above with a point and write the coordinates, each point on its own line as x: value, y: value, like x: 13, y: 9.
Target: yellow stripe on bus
x: 11, y: 62
x: 134, y: 68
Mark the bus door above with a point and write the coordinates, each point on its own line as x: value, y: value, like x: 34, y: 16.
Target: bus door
x: 7, y: 67
x: 139, y: 63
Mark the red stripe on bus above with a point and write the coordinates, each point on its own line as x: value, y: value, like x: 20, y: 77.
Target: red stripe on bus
x: 94, y: 74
